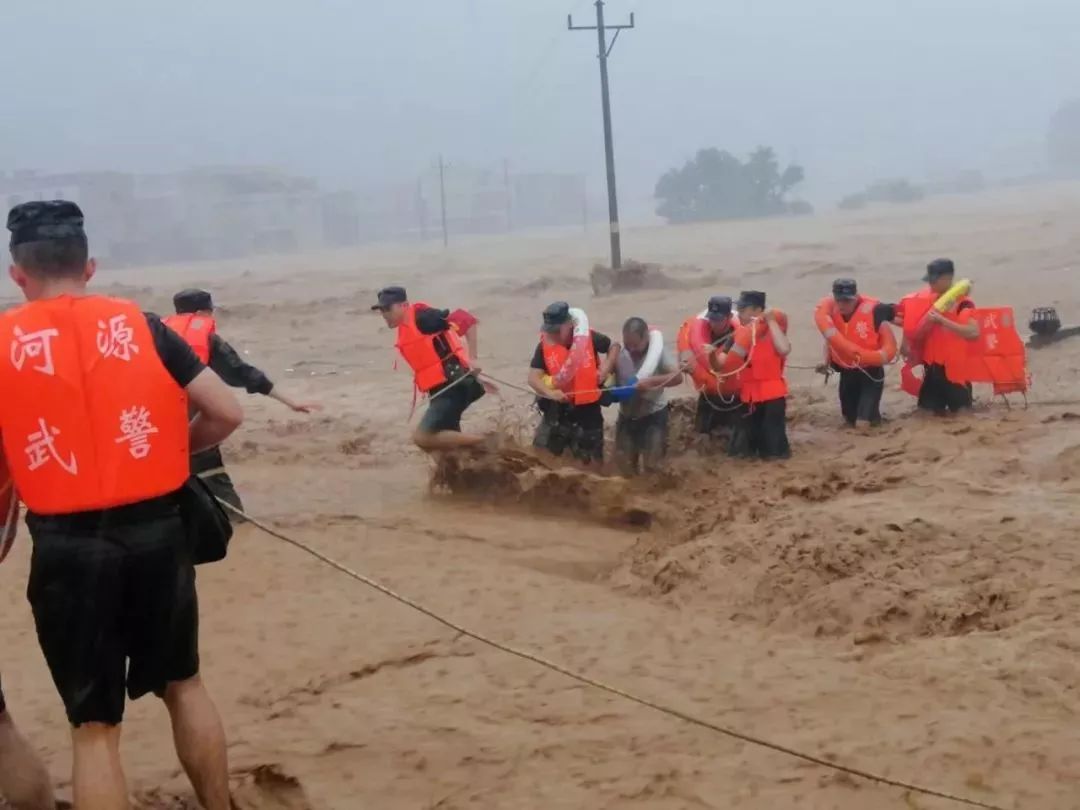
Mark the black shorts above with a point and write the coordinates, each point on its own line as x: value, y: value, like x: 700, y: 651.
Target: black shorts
x: 210, y: 467
x: 3, y: 704
x: 941, y: 396
x: 715, y: 413
x: 113, y: 597
x: 761, y: 431
x: 444, y: 412
x: 860, y: 394
x: 577, y: 428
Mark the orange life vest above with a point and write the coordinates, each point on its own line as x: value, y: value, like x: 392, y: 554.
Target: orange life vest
x: 948, y: 349
x: 422, y: 355
x: 762, y: 376
x: 910, y: 316
x: 998, y: 356
x: 584, y: 389
x: 855, y: 342
x: 695, y: 344
x: 196, y: 329
x: 91, y: 419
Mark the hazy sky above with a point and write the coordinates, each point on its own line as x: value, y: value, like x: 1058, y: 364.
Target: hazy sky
x: 366, y: 90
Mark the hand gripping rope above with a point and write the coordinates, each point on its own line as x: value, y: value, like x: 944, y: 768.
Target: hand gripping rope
x: 605, y: 687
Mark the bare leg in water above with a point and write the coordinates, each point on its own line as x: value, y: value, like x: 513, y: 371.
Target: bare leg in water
x: 446, y: 440
x: 200, y: 741
x: 24, y: 782
x: 98, y: 777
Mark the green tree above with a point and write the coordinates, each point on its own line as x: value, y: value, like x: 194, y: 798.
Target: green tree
x: 717, y: 185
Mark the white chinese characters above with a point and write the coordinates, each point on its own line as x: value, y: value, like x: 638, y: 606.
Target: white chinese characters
x: 862, y: 330
x: 34, y: 346
x: 116, y: 338
x: 42, y: 449
x: 136, y: 429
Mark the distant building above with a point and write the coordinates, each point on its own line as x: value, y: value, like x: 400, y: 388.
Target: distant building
x: 233, y: 212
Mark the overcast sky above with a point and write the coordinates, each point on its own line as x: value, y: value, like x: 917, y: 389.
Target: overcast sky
x: 372, y: 90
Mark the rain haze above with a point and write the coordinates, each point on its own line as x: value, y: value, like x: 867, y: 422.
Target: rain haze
x: 363, y: 92
x: 793, y: 467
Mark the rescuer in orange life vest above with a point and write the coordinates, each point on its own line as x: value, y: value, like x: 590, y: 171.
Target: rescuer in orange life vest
x: 859, y: 344
x: 96, y: 435
x: 758, y: 353
x: 440, y: 347
x: 715, y: 410
x: 194, y: 322
x: 946, y: 386
x: 572, y: 420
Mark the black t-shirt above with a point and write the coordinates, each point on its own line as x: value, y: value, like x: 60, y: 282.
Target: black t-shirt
x: 883, y: 313
x: 234, y: 370
x: 601, y: 345
x: 176, y: 355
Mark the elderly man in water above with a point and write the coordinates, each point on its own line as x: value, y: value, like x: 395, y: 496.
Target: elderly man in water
x: 641, y: 432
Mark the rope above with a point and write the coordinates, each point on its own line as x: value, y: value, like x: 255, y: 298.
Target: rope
x: 605, y: 687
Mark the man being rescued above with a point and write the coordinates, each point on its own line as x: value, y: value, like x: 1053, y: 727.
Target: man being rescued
x: 573, y: 419
x: 946, y: 384
x: 96, y: 436
x: 194, y: 322
x: 859, y: 343
x: 641, y: 432
x: 441, y: 348
x: 758, y: 355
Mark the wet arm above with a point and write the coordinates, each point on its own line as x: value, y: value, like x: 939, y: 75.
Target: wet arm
x: 536, y: 382
x: 227, y: 363
x: 779, y: 339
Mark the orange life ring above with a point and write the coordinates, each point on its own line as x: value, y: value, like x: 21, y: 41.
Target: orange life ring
x: 848, y: 353
x: 696, y: 347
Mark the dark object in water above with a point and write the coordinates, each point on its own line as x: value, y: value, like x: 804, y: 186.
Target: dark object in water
x: 1046, y: 328
x: 1044, y: 321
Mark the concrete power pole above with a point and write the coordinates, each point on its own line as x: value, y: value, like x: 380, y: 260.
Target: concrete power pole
x: 442, y: 201
x: 604, y: 51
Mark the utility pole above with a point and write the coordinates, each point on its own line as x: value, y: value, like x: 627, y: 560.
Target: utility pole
x: 604, y: 51
x: 421, y: 208
x: 442, y: 200
x: 509, y: 196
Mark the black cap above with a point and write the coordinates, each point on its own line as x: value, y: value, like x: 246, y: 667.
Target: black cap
x: 938, y: 268
x: 187, y: 301
x: 39, y: 221
x: 844, y: 289
x: 751, y: 298
x: 719, y: 308
x: 556, y: 315
x: 388, y: 296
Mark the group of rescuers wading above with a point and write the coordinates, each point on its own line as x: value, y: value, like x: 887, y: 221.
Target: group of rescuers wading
x: 110, y: 414
x: 734, y: 353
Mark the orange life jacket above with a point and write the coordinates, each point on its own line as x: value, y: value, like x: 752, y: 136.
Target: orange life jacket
x: 584, y: 389
x: 855, y: 342
x: 762, y: 376
x: 998, y: 356
x: 196, y: 329
x: 695, y: 344
x: 91, y: 419
x: 422, y: 355
x: 910, y: 316
x: 948, y: 349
